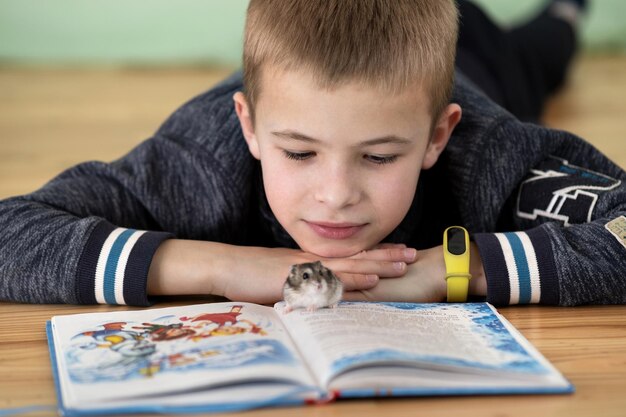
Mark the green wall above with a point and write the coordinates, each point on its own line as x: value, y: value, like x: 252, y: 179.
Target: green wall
x: 183, y: 32
x: 122, y: 31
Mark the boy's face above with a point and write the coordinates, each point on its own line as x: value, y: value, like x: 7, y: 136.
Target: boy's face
x: 340, y: 167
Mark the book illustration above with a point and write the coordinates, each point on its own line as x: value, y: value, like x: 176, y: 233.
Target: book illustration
x: 473, y: 325
x: 124, y: 350
x: 227, y: 324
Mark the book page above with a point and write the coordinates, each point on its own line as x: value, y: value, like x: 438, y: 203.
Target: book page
x: 117, y: 356
x: 468, y: 336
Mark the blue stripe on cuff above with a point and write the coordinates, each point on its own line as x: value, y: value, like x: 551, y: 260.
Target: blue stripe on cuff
x: 111, y: 265
x: 496, y: 273
x: 521, y: 263
x: 137, y: 267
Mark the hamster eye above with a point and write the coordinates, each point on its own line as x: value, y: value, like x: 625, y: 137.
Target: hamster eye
x: 305, y: 275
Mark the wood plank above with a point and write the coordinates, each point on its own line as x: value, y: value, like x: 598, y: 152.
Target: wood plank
x: 592, y: 104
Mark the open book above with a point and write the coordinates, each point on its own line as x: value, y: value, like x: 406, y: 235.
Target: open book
x: 234, y: 356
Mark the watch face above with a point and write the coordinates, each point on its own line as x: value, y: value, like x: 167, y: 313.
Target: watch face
x: 456, y: 241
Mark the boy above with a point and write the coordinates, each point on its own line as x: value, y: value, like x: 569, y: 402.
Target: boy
x: 346, y: 106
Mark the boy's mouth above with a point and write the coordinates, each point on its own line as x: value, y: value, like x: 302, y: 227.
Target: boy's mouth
x: 335, y: 230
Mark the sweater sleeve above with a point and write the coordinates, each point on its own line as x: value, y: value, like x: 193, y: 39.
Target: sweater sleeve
x: 564, y: 237
x: 90, y: 234
x: 86, y: 237
x: 546, y: 209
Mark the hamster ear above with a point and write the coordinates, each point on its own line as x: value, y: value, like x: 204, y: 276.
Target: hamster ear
x: 317, y: 264
x: 292, y: 272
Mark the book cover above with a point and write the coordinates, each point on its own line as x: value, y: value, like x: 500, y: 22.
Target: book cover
x: 235, y: 356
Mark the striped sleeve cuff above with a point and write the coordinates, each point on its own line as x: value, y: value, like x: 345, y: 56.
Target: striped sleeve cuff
x: 113, y: 268
x: 519, y: 267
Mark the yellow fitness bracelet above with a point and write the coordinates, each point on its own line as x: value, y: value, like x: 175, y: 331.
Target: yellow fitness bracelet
x: 456, y: 254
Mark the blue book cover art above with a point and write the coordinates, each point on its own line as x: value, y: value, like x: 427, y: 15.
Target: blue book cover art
x: 289, y: 398
x: 145, y: 362
x: 484, y: 324
x: 128, y: 350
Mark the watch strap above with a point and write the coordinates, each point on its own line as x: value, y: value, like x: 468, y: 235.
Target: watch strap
x: 456, y: 252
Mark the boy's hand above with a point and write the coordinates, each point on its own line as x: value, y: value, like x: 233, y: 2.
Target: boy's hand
x: 257, y: 274
x: 263, y: 271
x: 424, y: 281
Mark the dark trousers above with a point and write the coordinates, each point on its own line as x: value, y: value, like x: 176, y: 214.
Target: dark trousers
x: 518, y: 68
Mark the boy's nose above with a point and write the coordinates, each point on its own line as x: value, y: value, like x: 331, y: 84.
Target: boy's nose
x: 338, y: 188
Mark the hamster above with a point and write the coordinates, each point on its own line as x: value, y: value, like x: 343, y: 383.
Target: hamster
x: 311, y: 285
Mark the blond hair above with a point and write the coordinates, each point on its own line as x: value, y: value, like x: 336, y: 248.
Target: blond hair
x: 389, y: 44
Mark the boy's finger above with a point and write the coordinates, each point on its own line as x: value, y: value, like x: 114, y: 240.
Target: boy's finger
x: 354, y: 282
x: 357, y: 296
x: 383, y: 269
x: 391, y: 254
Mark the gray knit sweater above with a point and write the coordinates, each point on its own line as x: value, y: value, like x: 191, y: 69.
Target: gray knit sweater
x: 547, y: 210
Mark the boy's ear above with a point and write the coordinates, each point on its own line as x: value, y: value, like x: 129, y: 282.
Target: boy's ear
x: 247, y: 125
x: 442, y: 131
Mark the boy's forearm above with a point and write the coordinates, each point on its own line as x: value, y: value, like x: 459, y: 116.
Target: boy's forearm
x: 182, y: 267
x: 478, y: 283
x: 255, y: 274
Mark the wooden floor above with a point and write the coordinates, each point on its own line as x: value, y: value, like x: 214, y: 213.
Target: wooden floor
x: 53, y: 119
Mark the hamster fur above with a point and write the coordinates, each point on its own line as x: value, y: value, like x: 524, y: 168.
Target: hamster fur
x: 311, y: 285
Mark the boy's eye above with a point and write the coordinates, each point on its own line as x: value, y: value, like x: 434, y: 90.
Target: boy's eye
x: 381, y: 160
x: 298, y: 156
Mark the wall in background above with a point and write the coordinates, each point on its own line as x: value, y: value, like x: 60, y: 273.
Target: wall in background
x: 196, y: 32
x: 140, y: 32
